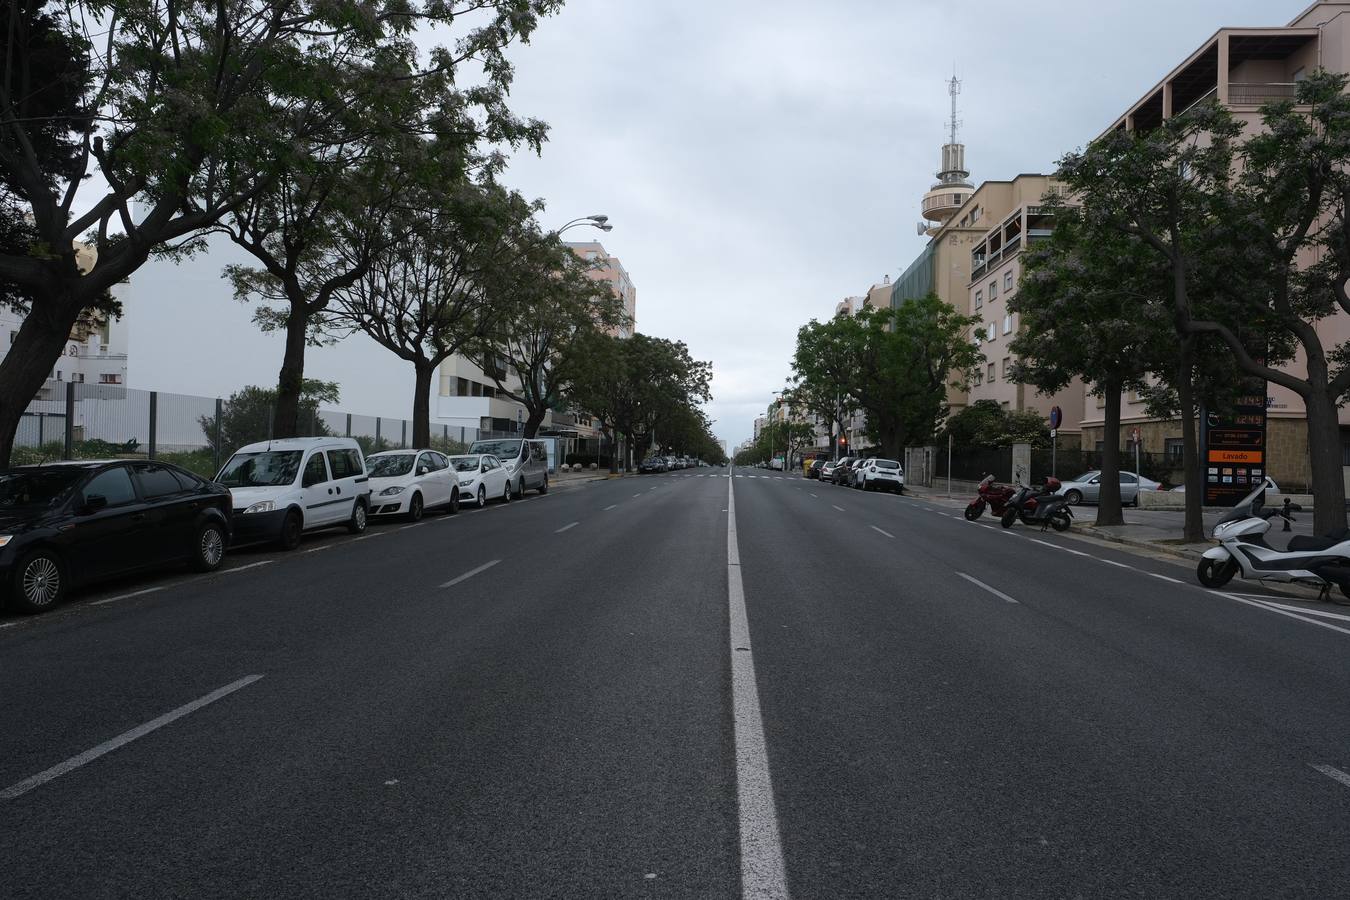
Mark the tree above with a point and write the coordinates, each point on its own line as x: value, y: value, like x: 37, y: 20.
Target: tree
x: 556, y: 303
x: 447, y: 282
x: 824, y: 370
x: 1087, y: 310
x: 985, y: 423
x: 200, y: 107
x: 247, y: 416
x: 908, y: 357
x: 1162, y: 192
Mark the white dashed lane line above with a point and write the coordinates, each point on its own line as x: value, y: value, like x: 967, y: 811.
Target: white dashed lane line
x: 840, y: 508
x: 611, y: 506
x: 566, y: 527
x: 980, y: 584
x: 879, y: 531
x: 128, y: 596
x: 1333, y: 773
x: 265, y: 562
x: 469, y: 574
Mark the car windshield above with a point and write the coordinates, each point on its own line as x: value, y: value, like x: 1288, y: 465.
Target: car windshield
x: 887, y: 464
x: 269, y: 468
x: 391, y: 466
x: 464, y: 463
x: 37, y: 488
x: 499, y: 449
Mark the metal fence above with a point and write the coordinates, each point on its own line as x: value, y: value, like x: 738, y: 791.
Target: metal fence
x: 973, y: 463
x: 97, y: 421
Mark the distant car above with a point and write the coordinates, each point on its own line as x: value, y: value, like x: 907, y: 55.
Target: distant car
x: 842, y: 472
x: 286, y: 487
x: 525, y: 462
x: 827, y: 470
x: 1086, y: 488
x: 881, y: 475
x: 652, y: 464
x: 69, y: 523
x: 816, y: 468
x: 480, y: 477
x: 1271, y: 486
x: 409, y: 482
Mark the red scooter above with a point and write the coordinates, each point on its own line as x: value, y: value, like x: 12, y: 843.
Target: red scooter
x: 993, y: 496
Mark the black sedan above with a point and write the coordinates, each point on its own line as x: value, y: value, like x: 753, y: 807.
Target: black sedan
x: 71, y: 523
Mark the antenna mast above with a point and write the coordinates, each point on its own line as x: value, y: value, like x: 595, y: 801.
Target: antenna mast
x: 954, y: 88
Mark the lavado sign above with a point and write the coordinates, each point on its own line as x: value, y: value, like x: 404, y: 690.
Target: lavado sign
x: 1233, y: 448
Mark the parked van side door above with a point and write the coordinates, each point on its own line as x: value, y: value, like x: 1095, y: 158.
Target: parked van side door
x: 322, y: 505
x: 349, y: 480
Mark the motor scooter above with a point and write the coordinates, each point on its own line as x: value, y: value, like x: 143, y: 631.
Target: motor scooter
x: 1323, y: 562
x: 1045, y: 508
x: 993, y: 496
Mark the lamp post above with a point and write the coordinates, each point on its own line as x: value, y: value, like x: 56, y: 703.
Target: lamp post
x: 598, y: 221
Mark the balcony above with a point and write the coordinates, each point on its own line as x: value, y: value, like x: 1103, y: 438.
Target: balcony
x: 942, y: 201
x: 1247, y: 93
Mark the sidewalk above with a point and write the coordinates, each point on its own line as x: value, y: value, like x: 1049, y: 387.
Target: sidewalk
x: 573, y: 479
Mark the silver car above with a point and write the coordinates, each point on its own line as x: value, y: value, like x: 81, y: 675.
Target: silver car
x: 1086, y: 488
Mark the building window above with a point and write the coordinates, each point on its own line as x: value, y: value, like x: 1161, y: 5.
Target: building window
x: 58, y: 375
x: 461, y: 387
x: 991, y: 371
x: 993, y: 331
x: 1007, y: 363
x: 979, y: 299
x: 1007, y: 282
x: 1172, y: 448
x: 993, y: 291
x: 476, y: 389
x: 1007, y: 324
x: 109, y: 378
x: 79, y: 376
x: 979, y: 379
x: 12, y: 336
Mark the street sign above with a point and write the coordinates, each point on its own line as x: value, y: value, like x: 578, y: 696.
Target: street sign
x: 1056, y: 417
x: 1054, y: 432
x: 1134, y: 435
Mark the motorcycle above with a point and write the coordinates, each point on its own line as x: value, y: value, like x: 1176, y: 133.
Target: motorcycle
x: 1323, y: 562
x: 993, y: 496
x: 1046, y: 508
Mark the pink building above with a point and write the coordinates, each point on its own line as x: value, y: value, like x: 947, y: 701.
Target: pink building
x: 611, y: 270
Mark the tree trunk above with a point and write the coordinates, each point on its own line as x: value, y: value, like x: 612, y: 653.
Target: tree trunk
x: 421, y: 430
x: 1324, y: 457
x: 613, y: 440
x: 291, y: 379
x: 1193, y: 528
x: 533, y: 421
x: 37, y: 347
x: 1108, y: 496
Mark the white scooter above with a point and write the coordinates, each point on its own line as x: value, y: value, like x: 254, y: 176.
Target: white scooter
x: 1320, y: 561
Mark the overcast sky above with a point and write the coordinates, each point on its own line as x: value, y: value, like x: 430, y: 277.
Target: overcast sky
x: 759, y: 160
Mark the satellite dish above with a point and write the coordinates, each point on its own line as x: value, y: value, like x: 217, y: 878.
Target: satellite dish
x: 921, y: 228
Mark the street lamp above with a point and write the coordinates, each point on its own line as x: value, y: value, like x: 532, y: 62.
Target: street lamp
x: 598, y: 221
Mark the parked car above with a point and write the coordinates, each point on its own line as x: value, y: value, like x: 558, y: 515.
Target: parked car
x: 816, y: 469
x: 827, y: 470
x: 652, y: 464
x: 409, y: 482
x: 1271, y: 487
x: 481, y: 476
x: 841, y: 473
x: 525, y: 462
x: 70, y: 523
x: 284, y: 488
x: 881, y: 475
x: 1086, y: 488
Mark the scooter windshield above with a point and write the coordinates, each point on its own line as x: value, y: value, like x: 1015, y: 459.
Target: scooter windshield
x: 1249, y: 506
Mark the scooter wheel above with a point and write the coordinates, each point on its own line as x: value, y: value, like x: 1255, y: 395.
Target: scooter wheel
x: 1215, y: 574
x: 1060, y: 521
x: 974, y: 511
x: 1008, y: 519
x: 1344, y: 599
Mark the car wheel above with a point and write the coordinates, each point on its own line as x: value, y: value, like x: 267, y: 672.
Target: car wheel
x: 291, y: 528
x: 454, y: 502
x: 1073, y: 498
x: 39, y: 582
x: 208, y: 551
x: 543, y: 486
x: 506, y: 493
x: 415, y: 508
x: 359, y: 519
x: 482, y: 496
x: 520, y: 489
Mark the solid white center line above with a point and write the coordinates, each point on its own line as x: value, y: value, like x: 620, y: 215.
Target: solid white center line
x: 265, y: 562
x: 1165, y: 578
x: 56, y: 771
x: 469, y: 574
x: 980, y: 584
x: 128, y: 596
x: 317, y: 549
x: 1333, y: 773
x: 611, y: 506
x: 411, y: 525
x: 1112, y: 562
x: 368, y: 536
x: 567, y: 526
x: 762, y: 872
x: 1299, y: 609
x: 840, y: 508
x: 879, y: 531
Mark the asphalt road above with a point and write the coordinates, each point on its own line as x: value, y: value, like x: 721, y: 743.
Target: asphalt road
x: 608, y: 692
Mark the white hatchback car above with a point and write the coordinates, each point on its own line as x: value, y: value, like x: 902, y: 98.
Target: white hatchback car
x: 409, y: 482
x: 481, y: 476
x: 881, y: 475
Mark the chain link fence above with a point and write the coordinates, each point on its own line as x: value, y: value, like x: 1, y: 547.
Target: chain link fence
x: 97, y: 421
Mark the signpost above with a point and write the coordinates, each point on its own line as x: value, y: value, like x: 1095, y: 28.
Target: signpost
x: 1134, y: 437
x: 1233, y: 448
x: 1056, y: 417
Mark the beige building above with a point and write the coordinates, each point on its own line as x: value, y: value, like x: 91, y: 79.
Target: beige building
x: 995, y: 273
x: 1242, y: 68
x: 611, y: 270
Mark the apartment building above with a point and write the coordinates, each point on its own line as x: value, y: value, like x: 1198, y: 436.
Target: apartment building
x: 995, y: 273
x: 611, y: 270
x: 1242, y: 68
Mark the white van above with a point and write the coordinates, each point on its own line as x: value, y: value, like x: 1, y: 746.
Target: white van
x: 286, y: 487
x: 525, y: 461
